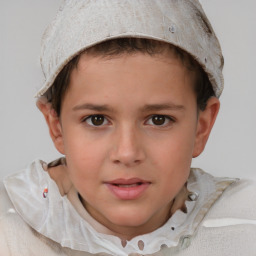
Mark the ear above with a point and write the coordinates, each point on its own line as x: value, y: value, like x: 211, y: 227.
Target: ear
x: 206, y: 120
x: 53, y: 123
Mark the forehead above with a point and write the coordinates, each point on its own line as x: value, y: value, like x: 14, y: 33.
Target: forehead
x: 133, y: 78
x: 162, y: 53
x: 167, y: 63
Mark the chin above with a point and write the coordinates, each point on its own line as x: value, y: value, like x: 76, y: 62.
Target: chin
x: 129, y: 218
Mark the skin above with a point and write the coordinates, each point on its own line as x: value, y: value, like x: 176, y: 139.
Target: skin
x: 127, y: 91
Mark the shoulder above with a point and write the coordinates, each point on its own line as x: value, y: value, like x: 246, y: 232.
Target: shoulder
x: 17, y: 238
x: 237, y: 201
x: 229, y: 228
x: 10, y: 224
x: 6, y: 206
x: 5, y: 202
x: 23, y: 208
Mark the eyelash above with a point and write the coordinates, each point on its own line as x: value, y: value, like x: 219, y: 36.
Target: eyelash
x: 170, y: 120
x: 89, y: 118
x: 166, y: 118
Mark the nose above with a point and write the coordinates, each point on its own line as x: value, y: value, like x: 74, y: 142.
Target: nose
x: 127, y: 147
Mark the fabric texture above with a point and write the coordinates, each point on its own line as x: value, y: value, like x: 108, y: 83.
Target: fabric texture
x: 181, y: 23
x: 33, y: 225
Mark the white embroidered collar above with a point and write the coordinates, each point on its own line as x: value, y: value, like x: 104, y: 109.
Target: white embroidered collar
x: 56, y: 218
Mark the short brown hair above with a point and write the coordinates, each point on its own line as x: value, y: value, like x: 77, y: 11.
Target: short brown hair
x: 115, y: 47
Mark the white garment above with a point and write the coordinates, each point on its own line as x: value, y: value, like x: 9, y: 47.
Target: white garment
x: 33, y: 225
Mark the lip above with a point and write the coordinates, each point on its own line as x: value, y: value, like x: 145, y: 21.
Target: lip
x: 128, y: 189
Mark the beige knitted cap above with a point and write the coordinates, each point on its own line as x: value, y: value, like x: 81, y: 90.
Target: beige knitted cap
x: 80, y: 24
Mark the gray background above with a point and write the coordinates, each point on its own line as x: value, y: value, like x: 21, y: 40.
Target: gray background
x: 23, y: 132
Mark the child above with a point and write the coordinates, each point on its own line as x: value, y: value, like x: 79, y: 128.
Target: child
x: 130, y: 97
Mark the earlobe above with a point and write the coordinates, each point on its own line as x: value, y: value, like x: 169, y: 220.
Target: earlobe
x: 53, y: 123
x: 206, y: 120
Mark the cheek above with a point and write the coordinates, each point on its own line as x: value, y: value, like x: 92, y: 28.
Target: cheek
x: 84, y: 157
x: 176, y: 149
x: 172, y: 159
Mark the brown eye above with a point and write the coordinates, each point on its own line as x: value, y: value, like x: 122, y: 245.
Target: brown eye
x: 158, y: 120
x: 96, y: 120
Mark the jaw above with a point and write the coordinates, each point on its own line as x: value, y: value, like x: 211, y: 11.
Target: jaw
x: 131, y: 219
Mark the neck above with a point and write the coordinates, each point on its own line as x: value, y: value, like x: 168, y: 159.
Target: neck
x: 126, y: 233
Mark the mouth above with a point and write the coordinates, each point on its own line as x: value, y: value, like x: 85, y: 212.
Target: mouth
x: 128, y: 189
x: 128, y: 185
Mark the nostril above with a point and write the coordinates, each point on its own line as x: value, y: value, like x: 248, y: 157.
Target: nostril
x: 128, y: 154
x: 116, y: 161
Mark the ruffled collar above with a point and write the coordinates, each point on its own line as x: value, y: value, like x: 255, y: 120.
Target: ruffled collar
x: 70, y: 225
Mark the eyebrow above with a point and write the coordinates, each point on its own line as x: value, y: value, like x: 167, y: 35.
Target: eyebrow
x: 159, y: 107
x: 94, y: 107
x: 146, y: 108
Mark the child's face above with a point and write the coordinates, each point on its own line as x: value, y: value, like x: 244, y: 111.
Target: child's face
x: 129, y: 129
